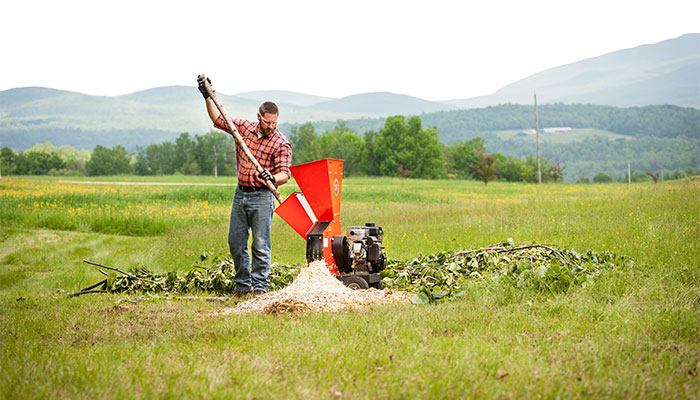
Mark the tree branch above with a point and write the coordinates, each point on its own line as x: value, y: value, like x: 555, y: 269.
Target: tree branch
x: 82, y: 292
x: 118, y: 270
x: 102, y: 282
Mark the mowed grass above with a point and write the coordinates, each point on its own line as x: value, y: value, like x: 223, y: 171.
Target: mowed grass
x: 634, y: 333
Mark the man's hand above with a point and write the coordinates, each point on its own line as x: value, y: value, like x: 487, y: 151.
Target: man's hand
x: 201, y: 83
x: 265, y: 175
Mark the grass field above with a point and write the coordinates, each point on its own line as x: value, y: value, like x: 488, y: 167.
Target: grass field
x: 634, y: 333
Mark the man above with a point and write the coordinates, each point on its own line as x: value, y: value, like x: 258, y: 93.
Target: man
x: 253, y: 202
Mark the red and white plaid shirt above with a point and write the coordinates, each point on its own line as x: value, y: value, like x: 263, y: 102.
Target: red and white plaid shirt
x: 273, y: 152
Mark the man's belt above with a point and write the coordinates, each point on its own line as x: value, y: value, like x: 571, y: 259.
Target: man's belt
x: 249, y: 189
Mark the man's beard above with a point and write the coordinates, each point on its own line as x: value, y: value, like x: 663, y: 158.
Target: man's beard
x: 266, y: 131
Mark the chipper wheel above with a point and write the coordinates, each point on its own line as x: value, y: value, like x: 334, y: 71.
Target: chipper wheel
x: 355, y: 282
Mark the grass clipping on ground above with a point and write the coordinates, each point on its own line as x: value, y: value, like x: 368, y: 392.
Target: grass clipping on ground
x: 316, y: 290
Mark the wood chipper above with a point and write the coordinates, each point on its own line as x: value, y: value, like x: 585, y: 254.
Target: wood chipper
x: 314, y: 213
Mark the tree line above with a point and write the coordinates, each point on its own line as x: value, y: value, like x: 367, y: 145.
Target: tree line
x: 656, y: 120
x: 402, y: 148
x: 592, y: 155
x: 210, y: 154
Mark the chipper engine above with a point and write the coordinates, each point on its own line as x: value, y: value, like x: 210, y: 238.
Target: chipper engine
x: 355, y: 258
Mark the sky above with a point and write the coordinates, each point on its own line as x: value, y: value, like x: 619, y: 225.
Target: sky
x: 435, y: 50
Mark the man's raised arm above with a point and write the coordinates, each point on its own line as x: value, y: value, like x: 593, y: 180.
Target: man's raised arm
x: 212, y: 110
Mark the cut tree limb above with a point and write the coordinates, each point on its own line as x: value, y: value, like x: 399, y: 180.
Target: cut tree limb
x: 238, y: 138
x: 102, y: 282
x: 118, y: 270
x: 558, y: 253
x: 82, y: 292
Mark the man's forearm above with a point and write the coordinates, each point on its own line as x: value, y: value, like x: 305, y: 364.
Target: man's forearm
x: 281, y: 178
x: 212, y: 110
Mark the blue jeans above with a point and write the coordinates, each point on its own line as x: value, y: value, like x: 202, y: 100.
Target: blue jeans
x: 251, y: 212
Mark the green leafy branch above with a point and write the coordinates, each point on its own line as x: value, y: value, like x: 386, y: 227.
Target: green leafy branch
x: 540, y: 267
x: 217, y: 278
x: 434, y: 278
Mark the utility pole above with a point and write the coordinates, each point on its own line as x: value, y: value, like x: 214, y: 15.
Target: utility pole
x: 537, y: 137
x: 629, y: 174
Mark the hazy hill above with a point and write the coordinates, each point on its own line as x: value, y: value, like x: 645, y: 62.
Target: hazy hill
x: 283, y: 97
x: 15, y: 98
x: 663, y: 73
x: 663, y: 121
x: 164, y: 95
x: 33, y: 115
x: 382, y: 104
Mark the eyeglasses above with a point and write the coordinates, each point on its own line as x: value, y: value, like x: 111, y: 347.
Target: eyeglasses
x: 268, y: 123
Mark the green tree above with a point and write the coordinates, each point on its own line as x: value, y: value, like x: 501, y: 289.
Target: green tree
x: 210, y: 154
x: 7, y: 160
x: 215, y: 154
x: 602, y: 177
x: 185, y: 151
x: 636, y: 177
x: 37, y: 163
x: 370, y: 159
x: 555, y: 172
x: 304, y: 141
x: 74, y: 159
x: 405, y: 145
x: 344, y: 145
x: 191, y: 168
x: 157, y: 159
x: 459, y: 157
x: 509, y: 168
x: 485, y: 169
x: 528, y: 172
x: 108, y: 161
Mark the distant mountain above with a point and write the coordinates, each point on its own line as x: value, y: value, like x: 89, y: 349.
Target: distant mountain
x: 663, y: 73
x: 382, y: 104
x: 164, y: 95
x: 14, y: 98
x: 27, y: 114
x: 283, y: 97
x: 34, y: 115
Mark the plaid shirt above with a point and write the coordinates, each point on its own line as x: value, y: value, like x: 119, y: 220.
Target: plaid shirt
x: 273, y: 152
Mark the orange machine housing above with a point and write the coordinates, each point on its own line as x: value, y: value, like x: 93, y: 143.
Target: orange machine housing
x: 316, y: 210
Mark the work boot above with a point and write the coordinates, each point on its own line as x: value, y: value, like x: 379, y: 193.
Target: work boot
x: 241, y: 295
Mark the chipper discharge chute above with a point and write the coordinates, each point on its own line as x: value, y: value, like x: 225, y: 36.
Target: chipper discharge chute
x: 355, y: 258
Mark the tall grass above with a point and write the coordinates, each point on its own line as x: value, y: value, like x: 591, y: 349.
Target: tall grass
x: 633, y: 333
x: 111, y: 209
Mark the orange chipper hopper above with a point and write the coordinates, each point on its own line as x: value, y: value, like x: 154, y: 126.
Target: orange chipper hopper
x: 315, y: 212
x: 357, y: 258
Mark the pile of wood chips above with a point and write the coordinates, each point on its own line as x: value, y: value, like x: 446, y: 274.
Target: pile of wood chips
x: 316, y: 290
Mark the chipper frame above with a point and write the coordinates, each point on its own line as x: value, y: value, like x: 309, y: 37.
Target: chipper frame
x: 314, y: 213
